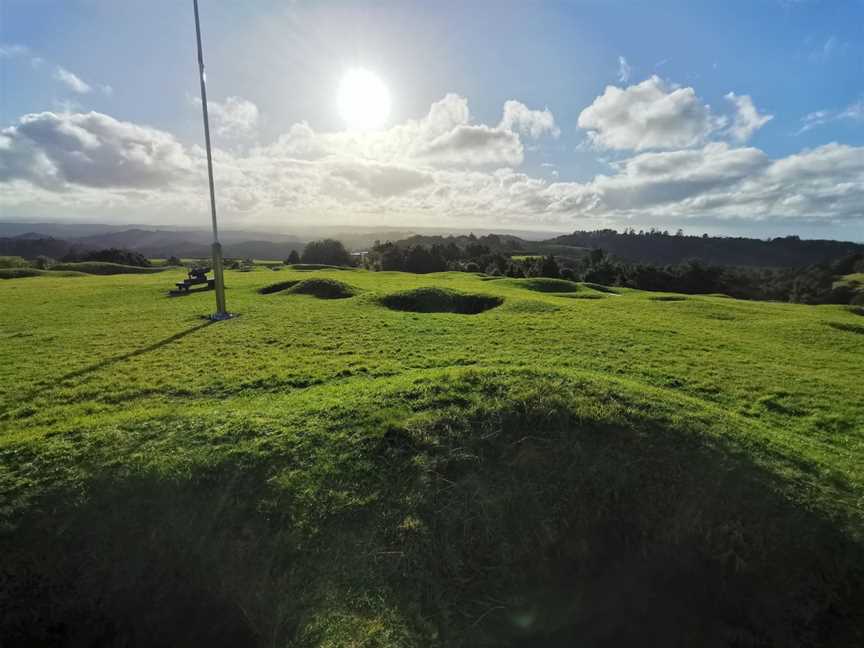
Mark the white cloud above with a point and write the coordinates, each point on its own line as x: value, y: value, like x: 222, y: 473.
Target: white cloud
x: 445, y: 137
x: 551, y: 169
x: 444, y: 168
x: 828, y: 50
x: 89, y: 149
x: 12, y: 50
x: 536, y: 123
x: 71, y: 81
x: 474, y: 145
x: 233, y: 118
x: 853, y: 112
x: 624, y: 70
x: 747, y: 119
x: 649, y: 115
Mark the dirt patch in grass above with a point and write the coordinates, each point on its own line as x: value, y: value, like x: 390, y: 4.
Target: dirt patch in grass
x: 320, y: 288
x: 440, y: 300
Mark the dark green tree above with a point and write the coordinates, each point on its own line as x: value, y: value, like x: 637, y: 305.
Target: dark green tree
x: 326, y: 252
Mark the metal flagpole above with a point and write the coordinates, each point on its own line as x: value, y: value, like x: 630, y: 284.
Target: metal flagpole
x: 220, y: 313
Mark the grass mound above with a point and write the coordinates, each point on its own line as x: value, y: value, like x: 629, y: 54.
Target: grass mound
x: 452, y: 508
x: 543, y: 284
x: 849, y: 328
x: 317, y: 266
x: 668, y: 298
x: 20, y: 273
x: 601, y: 288
x: 528, y: 306
x: 321, y: 288
x: 278, y: 287
x: 440, y: 300
x: 582, y: 295
x: 106, y: 268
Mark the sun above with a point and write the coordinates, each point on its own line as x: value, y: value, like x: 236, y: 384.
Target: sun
x: 364, y: 100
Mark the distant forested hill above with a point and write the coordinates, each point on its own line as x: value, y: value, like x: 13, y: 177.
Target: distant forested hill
x: 495, y: 242
x: 662, y: 248
x: 152, y: 243
x: 32, y: 245
x: 652, y: 247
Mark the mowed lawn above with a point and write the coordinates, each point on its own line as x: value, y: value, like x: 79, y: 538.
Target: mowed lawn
x: 319, y: 436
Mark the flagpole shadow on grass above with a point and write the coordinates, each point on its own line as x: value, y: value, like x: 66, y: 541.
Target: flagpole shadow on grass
x: 107, y: 362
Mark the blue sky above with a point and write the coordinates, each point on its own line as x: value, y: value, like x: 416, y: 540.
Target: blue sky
x: 668, y: 146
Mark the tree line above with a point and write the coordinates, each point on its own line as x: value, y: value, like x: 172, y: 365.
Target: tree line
x: 813, y: 284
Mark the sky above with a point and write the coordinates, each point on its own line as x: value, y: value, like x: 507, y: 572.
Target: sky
x: 736, y: 118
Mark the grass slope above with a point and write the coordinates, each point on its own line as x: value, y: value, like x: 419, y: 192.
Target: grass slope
x: 333, y: 472
x: 105, y: 268
x: 22, y: 273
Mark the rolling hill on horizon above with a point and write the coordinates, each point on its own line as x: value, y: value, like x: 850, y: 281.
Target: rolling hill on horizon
x: 654, y: 247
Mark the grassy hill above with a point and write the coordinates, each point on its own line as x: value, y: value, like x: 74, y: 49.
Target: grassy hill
x: 386, y: 459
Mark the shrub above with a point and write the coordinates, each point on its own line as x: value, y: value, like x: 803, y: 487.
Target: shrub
x: 13, y: 262
x: 514, y: 270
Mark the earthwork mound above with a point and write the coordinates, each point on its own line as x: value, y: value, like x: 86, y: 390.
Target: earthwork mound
x: 440, y: 300
x: 849, y: 328
x: 320, y: 288
x: 601, y: 288
x: 307, y: 267
x: 569, y: 512
x: 668, y: 298
x: 582, y: 295
x: 543, y: 284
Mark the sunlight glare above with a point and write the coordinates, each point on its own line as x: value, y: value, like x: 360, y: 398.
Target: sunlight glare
x: 364, y: 101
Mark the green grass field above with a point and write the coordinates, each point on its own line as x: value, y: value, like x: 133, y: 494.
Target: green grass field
x: 387, y: 459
